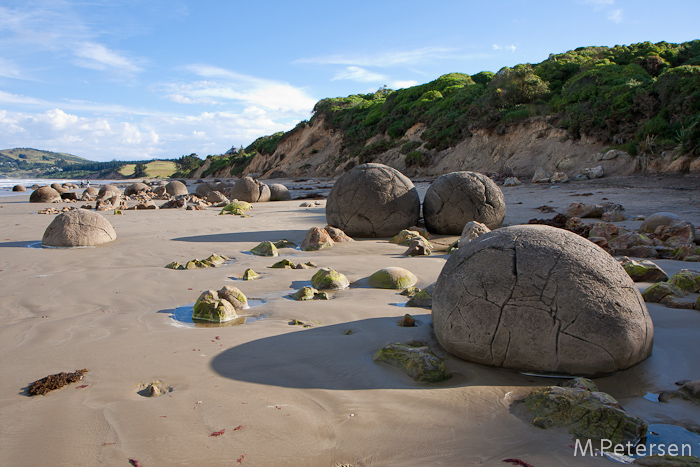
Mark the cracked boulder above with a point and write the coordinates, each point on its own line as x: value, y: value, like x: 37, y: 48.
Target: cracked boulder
x: 78, y: 227
x: 45, y: 194
x: 373, y: 200
x: 279, y: 192
x: 249, y: 190
x: 457, y: 198
x: 176, y: 188
x: 538, y: 298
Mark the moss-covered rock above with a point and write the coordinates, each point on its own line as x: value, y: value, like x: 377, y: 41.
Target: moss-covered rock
x: 644, y: 271
x: 414, y: 359
x: 238, y: 208
x: 211, y: 307
x: 212, y: 261
x: 305, y: 293
x: 656, y: 292
x: 284, y: 243
x: 687, y: 280
x: 234, y: 296
x: 316, y: 239
x: 392, y: 278
x: 405, y: 237
x: 174, y: 265
x: 250, y: 275
x: 265, y: 249
x: 329, y: 279
x: 588, y: 414
x: 423, y: 299
x: 284, y: 264
x: 407, y: 321
x: 580, y: 383
x: 410, y: 291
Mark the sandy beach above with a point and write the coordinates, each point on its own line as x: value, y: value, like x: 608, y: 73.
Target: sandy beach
x: 284, y: 394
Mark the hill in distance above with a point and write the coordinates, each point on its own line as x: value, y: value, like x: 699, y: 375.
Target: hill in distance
x: 37, y: 156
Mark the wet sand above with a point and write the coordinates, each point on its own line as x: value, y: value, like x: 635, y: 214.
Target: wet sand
x: 303, y: 396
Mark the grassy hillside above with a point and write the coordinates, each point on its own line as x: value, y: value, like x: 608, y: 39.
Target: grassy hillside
x: 37, y: 156
x: 152, y: 169
x: 643, y: 98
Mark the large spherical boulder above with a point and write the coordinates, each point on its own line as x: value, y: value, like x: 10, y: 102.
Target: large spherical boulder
x: 90, y: 193
x: 176, y: 188
x: 460, y: 197
x: 650, y: 224
x: 203, y: 189
x: 105, y: 189
x: 373, y: 200
x: 59, y: 188
x: 78, y: 227
x: 136, y: 188
x: 542, y: 299
x: 279, y: 192
x: 19, y: 188
x: 249, y: 190
x: 45, y: 194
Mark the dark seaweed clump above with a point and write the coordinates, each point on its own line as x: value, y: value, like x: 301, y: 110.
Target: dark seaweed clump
x: 57, y: 381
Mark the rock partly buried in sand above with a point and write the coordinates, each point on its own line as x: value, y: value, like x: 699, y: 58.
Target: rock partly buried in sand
x: 265, y: 249
x: 419, y: 247
x: 582, y: 412
x: 279, y: 192
x: 237, y: 208
x: 414, y: 359
x: 249, y: 190
x: 406, y: 237
x: 392, y: 278
x: 56, y: 381
x: 219, y: 307
x: 316, y: 239
x: 309, y: 293
x: 250, y: 275
x: 460, y: 197
x: 423, y: 298
x: 373, y: 200
x: 78, y: 227
x: 688, y: 280
x: 19, y: 188
x: 537, y: 298
x: 655, y: 293
x: 329, y: 279
x: 511, y: 181
x: 154, y: 389
x: 284, y: 264
x: 45, y: 194
x: 643, y: 270
x: 136, y: 188
x: 212, y: 261
x: 176, y: 188
x: 337, y: 235
x: 407, y: 321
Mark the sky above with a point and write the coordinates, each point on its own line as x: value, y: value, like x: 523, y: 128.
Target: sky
x: 158, y: 79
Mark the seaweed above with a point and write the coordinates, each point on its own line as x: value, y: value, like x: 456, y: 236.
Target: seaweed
x: 56, y: 381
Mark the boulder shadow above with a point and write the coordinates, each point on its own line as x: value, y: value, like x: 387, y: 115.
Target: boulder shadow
x: 296, y: 236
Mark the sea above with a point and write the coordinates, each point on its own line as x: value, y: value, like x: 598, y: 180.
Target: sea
x: 6, y: 184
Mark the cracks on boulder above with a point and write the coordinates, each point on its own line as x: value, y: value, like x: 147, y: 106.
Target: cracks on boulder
x: 591, y: 343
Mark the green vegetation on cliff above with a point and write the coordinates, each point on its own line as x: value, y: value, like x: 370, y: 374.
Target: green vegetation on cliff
x: 642, y: 97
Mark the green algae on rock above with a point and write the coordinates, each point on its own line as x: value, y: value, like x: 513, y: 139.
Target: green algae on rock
x: 392, y: 278
x: 265, y: 249
x: 284, y: 243
x: 216, y: 306
x: 687, y: 280
x: 234, y: 296
x: 407, y: 321
x: 405, y: 237
x: 212, y: 261
x: 283, y: 264
x: 249, y: 275
x: 643, y: 270
x: 422, y: 299
x: 329, y: 279
x: 658, y: 291
x: 588, y: 414
x: 416, y: 360
x: 237, y: 208
x: 305, y: 293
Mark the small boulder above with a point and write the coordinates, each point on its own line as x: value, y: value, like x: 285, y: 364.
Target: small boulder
x: 651, y: 223
x: 283, y: 264
x: 594, y: 172
x: 249, y: 275
x: 643, y: 270
x: 559, y: 177
x: 584, y: 210
x: 329, y: 279
x: 309, y: 293
x: 78, y: 227
x: 316, y: 239
x: 405, y: 237
x: 216, y: 197
x: 392, y: 278
x: 265, y: 249
x: 688, y: 280
x: 45, y: 194
x: 407, y: 321
x: 423, y: 298
x: 337, y: 235
x: 418, y: 247
x: 659, y: 290
x: 471, y: 231
x: 511, y: 181
x: 416, y: 360
x: 540, y: 176
x: 236, y: 207
x: 210, y: 307
x: 136, y: 188
x: 284, y: 243
x: 19, y: 188
x: 234, y: 296
x: 176, y: 188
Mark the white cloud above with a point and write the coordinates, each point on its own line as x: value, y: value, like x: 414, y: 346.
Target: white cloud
x: 615, y: 16
x: 99, y: 57
x: 356, y: 73
x: 507, y: 47
x: 403, y: 84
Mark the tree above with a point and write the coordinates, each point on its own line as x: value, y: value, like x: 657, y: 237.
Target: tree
x: 140, y: 170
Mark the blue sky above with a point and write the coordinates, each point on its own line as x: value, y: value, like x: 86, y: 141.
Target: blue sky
x: 143, y: 79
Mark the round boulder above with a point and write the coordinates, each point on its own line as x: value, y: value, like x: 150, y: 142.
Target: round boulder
x: 537, y: 298
x: 78, y: 227
x: 58, y: 187
x: 45, y: 194
x: 373, y: 200
x: 279, y: 192
x: 108, y: 188
x: 136, y: 188
x: 176, y: 188
x: 392, y: 278
x: 90, y: 192
x: 19, y: 188
x: 249, y: 190
x: 203, y: 189
x: 658, y: 219
x: 460, y: 197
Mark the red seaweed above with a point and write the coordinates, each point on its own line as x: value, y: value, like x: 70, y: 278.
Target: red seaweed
x: 239, y: 427
x: 518, y: 462
x: 218, y: 433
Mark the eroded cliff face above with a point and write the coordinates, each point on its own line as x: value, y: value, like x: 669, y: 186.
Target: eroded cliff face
x: 314, y: 151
